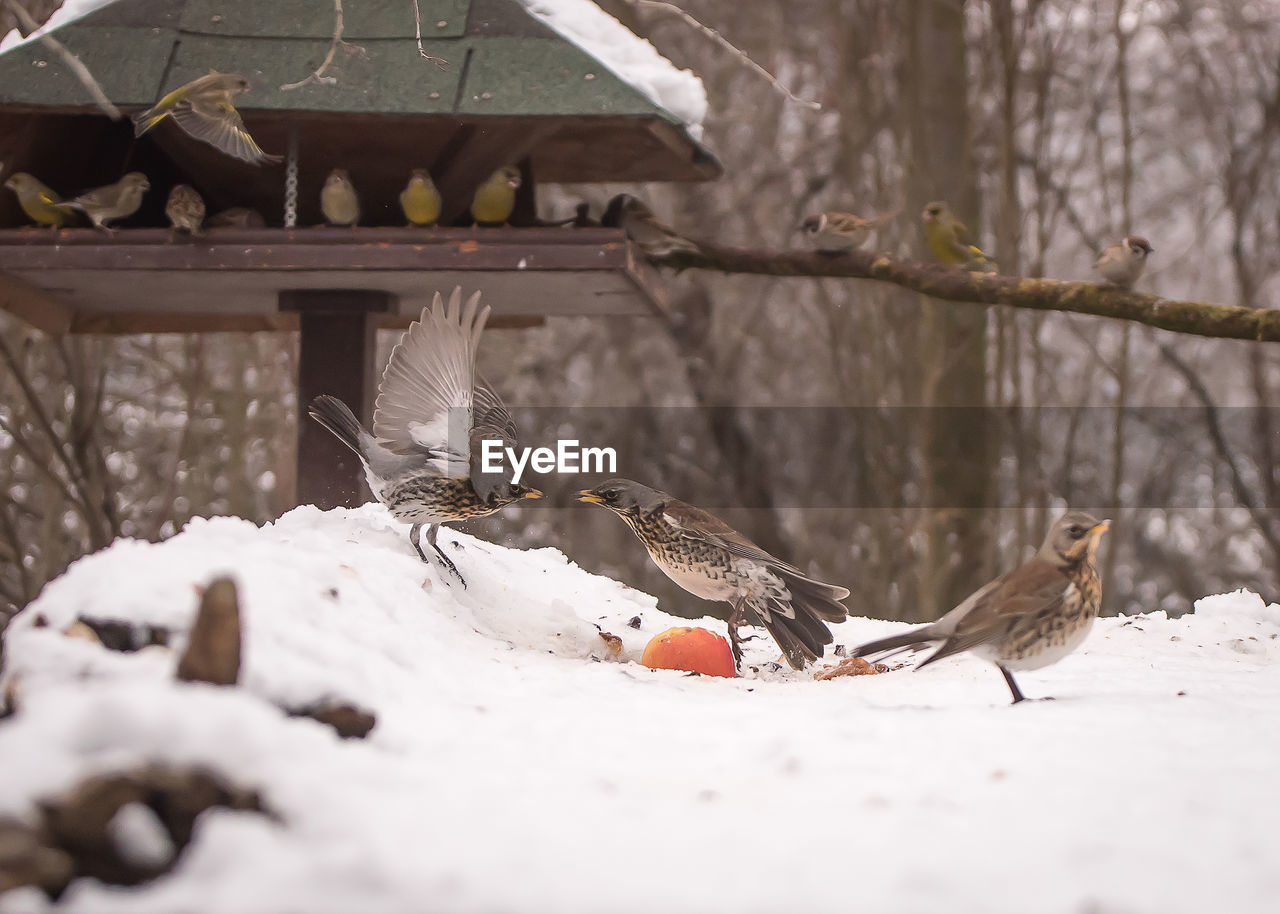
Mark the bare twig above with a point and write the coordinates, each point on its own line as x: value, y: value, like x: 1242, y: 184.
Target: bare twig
x: 417, y: 33
x: 77, y: 67
x: 952, y: 284
x: 318, y: 76
x: 731, y: 48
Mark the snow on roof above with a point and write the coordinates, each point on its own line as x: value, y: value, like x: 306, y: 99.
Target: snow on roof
x: 630, y: 57
x: 70, y: 11
x: 509, y: 771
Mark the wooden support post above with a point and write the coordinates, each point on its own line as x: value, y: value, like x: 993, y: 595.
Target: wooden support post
x: 336, y: 356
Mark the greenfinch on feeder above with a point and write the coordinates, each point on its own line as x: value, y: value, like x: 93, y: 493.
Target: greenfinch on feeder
x: 113, y: 201
x: 496, y: 197
x: 338, y: 200
x: 948, y: 239
x: 41, y: 204
x: 420, y: 200
x: 203, y: 109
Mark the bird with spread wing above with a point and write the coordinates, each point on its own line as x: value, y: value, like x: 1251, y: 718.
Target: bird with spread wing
x: 432, y: 415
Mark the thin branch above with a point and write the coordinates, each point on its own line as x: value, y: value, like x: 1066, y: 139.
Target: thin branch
x: 956, y: 285
x: 732, y: 49
x: 417, y: 33
x: 77, y: 67
x: 318, y: 76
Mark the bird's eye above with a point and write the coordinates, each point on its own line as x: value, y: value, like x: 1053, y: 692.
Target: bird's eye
x: 1075, y: 531
x: 610, y: 494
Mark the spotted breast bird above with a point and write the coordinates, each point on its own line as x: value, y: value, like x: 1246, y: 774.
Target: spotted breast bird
x: 104, y: 205
x: 834, y: 233
x: 38, y: 201
x: 948, y: 239
x: 495, y: 199
x: 1027, y: 618
x: 185, y: 209
x: 423, y: 459
x: 420, y: 200
x: 711, y: 560
x: 203, y: 109
x: 634, y: 217
x: 1123, y: 262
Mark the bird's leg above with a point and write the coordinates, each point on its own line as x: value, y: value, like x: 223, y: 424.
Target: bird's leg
x: 1013, y: 686
x: 432, y: 530
x: 413, y: 538
x: 735, y: 619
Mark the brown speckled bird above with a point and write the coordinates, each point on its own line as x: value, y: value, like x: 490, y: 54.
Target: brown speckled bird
x: 185, y: 209
x: 835, y: 233
x: 633, y: 216
x: 711, y: 560
x: 423, y: 460
x: 1028, y: 618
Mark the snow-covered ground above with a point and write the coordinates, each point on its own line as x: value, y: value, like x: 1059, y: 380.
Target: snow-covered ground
x: 516, y: 767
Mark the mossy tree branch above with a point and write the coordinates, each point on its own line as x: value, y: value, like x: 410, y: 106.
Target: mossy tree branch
x: 956, y: 285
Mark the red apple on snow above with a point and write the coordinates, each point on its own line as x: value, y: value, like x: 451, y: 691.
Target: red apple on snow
x: 694, y: 650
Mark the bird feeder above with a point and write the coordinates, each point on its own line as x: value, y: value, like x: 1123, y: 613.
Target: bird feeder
x: 503, y: 89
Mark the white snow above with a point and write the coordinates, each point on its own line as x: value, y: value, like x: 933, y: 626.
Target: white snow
x: 140, y: 836
x: 70, y: 11
x: 511, y: 771
x: 629, y: 56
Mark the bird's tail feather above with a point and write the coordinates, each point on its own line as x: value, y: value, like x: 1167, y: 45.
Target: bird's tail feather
x: 145, y: 120
x: 337, y: 417
x: 915, y: 639
x: 813, y: 604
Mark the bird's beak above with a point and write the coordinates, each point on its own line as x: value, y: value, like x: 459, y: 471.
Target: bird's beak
x: 532, y: 493
x: 591, y: 497
x: 1100, y: 529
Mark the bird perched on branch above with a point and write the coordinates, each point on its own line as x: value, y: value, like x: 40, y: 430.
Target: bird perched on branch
x: 711, y: 560
x: 203, y: 109
x: 111, y: 202
x: 835, y: 233
x: 1026, y: 619
x: 423, y: 460
x: 495, y: 199
x: 949, y: 241
x: 38, y: 201
x: 420, y: 200
x: 338, y: 199
x: 185, y: 209
x: 1123, y: 262
x: 637, y: 220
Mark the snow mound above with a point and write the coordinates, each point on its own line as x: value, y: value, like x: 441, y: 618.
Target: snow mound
x: 517, y: 765
x: 630, y: 57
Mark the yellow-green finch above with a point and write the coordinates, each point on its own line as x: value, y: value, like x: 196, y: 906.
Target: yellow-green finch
x: 1123, y: 262
x: 185, y: 209
x: 39, y: 202
x: 203, y: 109
x: 637, y: 220
x: 496, y: 197
x: 113, y: 201
x: 338, y: 200
x: 833, y: 233
x: 420, y: 200
x: 948, y: 239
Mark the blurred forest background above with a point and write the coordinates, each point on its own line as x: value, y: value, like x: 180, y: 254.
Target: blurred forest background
x: 939, y: 440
